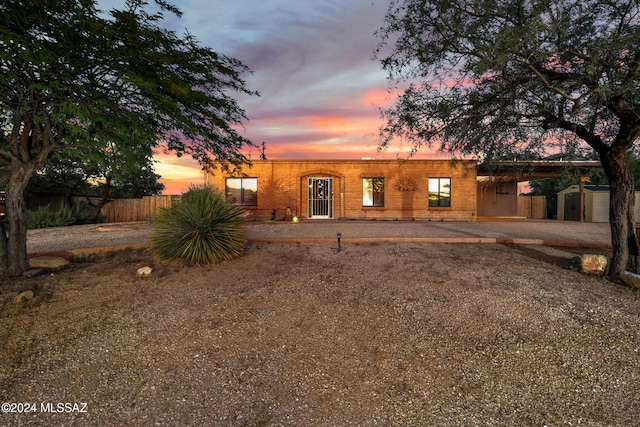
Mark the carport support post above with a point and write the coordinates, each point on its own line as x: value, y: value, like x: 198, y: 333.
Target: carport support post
x: 582, y: 199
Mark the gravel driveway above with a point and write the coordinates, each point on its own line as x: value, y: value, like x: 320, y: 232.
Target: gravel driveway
x: 107, y: 235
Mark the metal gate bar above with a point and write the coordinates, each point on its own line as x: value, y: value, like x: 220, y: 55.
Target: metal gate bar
x: 320, y: 197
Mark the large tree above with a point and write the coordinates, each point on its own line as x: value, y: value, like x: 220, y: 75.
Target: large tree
x: 496, y: 77
x: 99, y: 173
x: 71, y: 76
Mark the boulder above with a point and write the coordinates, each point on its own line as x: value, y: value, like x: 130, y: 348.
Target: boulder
x: 50, y: 262
x: 593, y: 264
x: 22, y: 297
x: 144, y: 271
x: 630, y: 279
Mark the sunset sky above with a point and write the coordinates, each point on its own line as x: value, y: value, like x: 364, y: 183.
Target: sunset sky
x: 312, y: 64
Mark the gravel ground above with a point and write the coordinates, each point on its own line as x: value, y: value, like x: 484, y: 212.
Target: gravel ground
x: 390, y: 334
x: 104, y: 235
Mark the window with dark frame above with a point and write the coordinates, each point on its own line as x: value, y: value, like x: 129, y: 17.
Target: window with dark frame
x: 242, y: 191
x: 440, y: 192
x: 373, y: 192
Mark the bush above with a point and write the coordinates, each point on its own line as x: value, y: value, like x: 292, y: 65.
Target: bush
x: 40, y: 218
x: 43, y: 218
x: 200, y: 228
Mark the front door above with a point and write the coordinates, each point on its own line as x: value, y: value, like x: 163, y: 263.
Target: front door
x: 321, y: 198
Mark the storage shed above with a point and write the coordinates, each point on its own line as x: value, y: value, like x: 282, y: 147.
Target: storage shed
x: 595, y: 207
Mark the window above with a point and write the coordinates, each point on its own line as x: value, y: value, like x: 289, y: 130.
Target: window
x: 242, y: 191
x: 372, y: 191
x: 440, y: 192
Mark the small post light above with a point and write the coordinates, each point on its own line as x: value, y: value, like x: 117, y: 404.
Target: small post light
x: 339, y: 235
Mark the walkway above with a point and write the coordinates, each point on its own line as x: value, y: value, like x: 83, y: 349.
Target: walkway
x: 94, y: 238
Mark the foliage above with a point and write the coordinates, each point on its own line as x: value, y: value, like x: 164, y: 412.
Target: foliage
x: 43, y: 218
x: 520, y: 79
x: 550, y: 187
x: 117, y: 82
x: 502, y: 77
x: 200, y: 228
x: 112, y: 171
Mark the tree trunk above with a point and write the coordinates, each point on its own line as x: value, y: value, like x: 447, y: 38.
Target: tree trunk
x: 13, y: 247
x: 621, y: 214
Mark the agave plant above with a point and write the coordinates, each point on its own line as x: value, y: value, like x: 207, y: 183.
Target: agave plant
x: 200, y: 228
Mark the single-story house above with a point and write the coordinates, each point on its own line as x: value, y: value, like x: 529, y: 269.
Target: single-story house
x: 434, y: 189
x: 595, y: 206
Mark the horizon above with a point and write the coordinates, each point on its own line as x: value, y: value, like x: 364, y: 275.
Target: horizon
x: 312, y: 63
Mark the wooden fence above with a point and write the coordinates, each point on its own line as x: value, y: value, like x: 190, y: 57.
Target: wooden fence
x: 534, y: 207
x: 126, y: 210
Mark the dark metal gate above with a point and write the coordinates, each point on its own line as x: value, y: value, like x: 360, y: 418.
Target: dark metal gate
x: 320, y: 197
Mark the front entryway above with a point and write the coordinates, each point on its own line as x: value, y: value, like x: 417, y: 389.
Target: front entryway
x: 320, y: 198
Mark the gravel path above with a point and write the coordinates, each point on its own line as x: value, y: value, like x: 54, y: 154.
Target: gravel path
x: 105, y: 235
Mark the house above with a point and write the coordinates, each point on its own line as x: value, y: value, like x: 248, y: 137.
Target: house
x: 434, y: 189
x: 595, y: 206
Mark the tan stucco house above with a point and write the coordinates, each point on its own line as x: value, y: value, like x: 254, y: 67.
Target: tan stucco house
x: 436, y: 189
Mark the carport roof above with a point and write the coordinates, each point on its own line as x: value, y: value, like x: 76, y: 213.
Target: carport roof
x: 536, y: 169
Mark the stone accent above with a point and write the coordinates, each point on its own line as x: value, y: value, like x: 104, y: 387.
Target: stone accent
x: 593, y: 264
x: 33, y: 272
x: 26, y: 296
x: 50, y: 262
x: 144, y: 271
x: 630, y: 279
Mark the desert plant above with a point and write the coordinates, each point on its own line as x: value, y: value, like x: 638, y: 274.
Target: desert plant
x: 43, y: 218
x: 200, y: 228
x: 40, y: 218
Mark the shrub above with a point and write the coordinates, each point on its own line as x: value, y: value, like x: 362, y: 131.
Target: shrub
x: 87, y: 217
x: 40, y: 218
x: 64, y: 217
x: 200, y: 228
x: 43, y: 217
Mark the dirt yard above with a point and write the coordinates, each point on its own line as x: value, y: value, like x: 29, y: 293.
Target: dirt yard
x: 300, y: 334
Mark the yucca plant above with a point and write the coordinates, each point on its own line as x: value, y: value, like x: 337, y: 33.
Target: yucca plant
x: 199, y: 229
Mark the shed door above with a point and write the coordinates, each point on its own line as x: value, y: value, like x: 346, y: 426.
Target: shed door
x: 571, y: 207
x: 321, y: 198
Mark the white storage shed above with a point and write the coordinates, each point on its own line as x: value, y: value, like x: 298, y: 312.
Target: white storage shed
x: 595, y: 207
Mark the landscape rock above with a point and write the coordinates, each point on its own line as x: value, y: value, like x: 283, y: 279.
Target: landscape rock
x: 144, y: 271
x: 25, y: 296
x: 50, y: 262
x: 593, y: 264
x: 630, y: 279
x: 33, y: 272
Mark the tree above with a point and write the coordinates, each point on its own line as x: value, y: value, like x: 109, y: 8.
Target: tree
x: 111, y: 171
x: 551, y: 186
x: 496, y: 77
x: 73, y: 77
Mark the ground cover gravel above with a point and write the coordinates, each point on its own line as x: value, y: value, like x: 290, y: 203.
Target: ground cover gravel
x: 389, y: 333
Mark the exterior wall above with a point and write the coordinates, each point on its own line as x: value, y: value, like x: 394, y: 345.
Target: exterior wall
x: 597, y: 206
x: 560, y: 205
x: 496, y: 198
x: 284, y: 183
